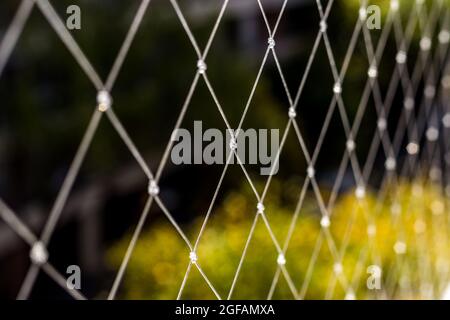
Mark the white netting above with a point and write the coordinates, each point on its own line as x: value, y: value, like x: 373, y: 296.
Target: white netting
x: 424, y: 124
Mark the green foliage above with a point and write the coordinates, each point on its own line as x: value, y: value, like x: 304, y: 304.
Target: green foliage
x: 159, y: 262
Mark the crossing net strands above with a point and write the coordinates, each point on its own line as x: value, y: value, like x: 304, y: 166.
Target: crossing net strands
x: 406, y: 91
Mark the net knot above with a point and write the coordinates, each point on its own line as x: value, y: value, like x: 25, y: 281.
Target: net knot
x: 400, y: 247
x: 260, y: 207
x: 350, y: 295
x: 371, y: 230
x: 38, y: 253
x: 337, y: 88
x: 372, y: 72
x: 193, y: 257
x: 292, y: 113
x: 446, y: 120
x: 425, y: 43
x: 412, y: 148
x: 444, y: 37
x: 360, y: 192
x: 394, y: 5
x: 325, y: 222
x: 382, y: 124
x: 323, y: 26
x: 337, y: 268
x: 401, y: 57
x: 233, y: 144
x: 310, y: 172
x: 281, y: 260
x: 201, y: 66
x: 409, y: 103
x: 153, y: 188
x: 362, y: 13
x: 350, y: 145
x: 432, y: 134
x: 104, y: 100
x: 390, y: 164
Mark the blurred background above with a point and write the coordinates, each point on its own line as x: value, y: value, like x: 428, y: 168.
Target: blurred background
x: 47, y: 100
